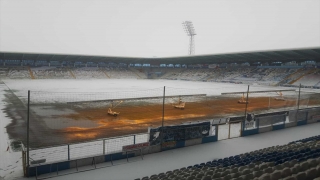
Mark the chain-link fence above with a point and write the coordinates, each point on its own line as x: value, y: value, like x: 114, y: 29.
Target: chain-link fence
x: 73, y: 121
x: 86, y: 149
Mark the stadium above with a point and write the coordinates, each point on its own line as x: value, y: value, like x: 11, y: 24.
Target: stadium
x: 221, y: 116
x: 76, y: 117
x: 146, y: 105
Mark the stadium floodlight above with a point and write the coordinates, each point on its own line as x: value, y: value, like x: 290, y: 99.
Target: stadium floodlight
x: 189, y: 29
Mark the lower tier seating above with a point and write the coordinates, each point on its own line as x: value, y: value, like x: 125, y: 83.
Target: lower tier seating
x: 298, y: 160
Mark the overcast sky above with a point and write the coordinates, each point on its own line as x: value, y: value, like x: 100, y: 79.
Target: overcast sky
x: 147, y: 28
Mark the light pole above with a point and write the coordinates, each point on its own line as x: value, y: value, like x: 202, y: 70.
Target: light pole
x: 189, y: 29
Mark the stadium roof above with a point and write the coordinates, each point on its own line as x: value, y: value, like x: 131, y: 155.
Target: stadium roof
x: 286, y: 55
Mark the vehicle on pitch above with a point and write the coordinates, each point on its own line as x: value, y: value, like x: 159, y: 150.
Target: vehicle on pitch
x: 242, y: 100
x: 280, y: 98
x: 180, y: 105
x: 110, y: 109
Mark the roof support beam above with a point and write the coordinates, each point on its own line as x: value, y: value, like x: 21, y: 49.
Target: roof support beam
x: 79, y: 58
x: 65, y: 58
x: 264, y: 56
x: 51, y: 57
x: 37, y: 57
x: 278, y: 54
x: 311, y: 53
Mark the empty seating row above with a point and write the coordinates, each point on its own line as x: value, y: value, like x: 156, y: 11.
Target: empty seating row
x: 298, y: 160
x: 313, y: 138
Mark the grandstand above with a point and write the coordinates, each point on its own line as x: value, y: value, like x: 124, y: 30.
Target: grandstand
x: 50, y: 73
x: 89, y: 73
x: 18, y: 73
x: 297, y: 160
x: 270, y: 76
x: 263, y: 67
x: 311, y: 79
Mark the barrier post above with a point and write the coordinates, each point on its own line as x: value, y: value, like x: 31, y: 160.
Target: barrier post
x: 229, y: 130
x: 216, y: 130
x: 28, y: 143
x: 241, y: 127
x: 298, y: 104
x: 68, y: 152
x: 104, y: 147
x: 164, y: 95
x: 163, y: 101
x: 134, y: 139
x: 245, y: 110
x: 24, y: 162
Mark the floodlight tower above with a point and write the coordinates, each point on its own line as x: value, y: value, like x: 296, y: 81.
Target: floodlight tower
x: 189, y: 29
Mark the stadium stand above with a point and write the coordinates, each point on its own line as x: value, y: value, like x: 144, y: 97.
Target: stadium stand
x: 275, y: 75
x: 46, y: 72
x: 41, y: 63
x: 122, y: 73
x: 138, y: 72
x: 248, y: 75
x: 51, y: 73
x: 170, y: 73
x: 18, y: 73
x: 55, y: 63
x: 193, y: 74
x: 197, y: 74
x: 293, y: 76
x: 298, y: 160
x: 297, y: 75
x: 3, y: 72
x: 239, y: 75
x: 309, y: 80
x: 89, y: 73
x: 12, y: 62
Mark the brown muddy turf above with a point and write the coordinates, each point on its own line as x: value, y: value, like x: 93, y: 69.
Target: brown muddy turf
x: 137, y: 119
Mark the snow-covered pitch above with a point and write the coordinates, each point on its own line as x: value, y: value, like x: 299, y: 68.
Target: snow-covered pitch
x: 11, y: 164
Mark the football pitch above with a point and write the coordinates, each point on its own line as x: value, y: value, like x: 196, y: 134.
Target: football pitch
x: 73, y: 111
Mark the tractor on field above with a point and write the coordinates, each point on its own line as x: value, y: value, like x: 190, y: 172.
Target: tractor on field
x: 180, y: 104
x: 110, y: 109
x: 280, y: 97
x: 242, y: 100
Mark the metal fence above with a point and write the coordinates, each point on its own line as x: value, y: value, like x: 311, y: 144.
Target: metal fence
x: 59, y: 118
x: 86, y: 149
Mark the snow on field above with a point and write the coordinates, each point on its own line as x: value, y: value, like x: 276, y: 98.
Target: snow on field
x: 112, y: 145
x: 10, y: 163
x: 122, y: 88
